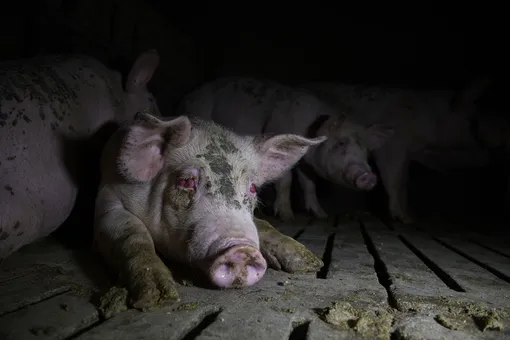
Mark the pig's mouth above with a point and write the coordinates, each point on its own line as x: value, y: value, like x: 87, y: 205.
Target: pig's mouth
x: 361, y: 177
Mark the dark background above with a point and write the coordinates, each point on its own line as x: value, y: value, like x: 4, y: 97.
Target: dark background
x: 427, y: 47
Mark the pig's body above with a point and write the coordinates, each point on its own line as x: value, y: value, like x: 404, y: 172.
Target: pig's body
x: 47, y: 105
x: 254, y: 106
x: 492, y: 132
x: 188, y: 190
x: 431, y: 127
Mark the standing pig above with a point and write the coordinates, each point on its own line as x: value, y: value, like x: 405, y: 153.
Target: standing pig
x: 432, y: 127
x: 250, y: 106
x: 492, y: 131
x: 187, y: 189
x: 45, y: 103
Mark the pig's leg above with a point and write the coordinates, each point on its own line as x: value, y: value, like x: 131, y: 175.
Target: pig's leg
x: 311, y: 201
x: 393, y: 164
x: 282, y: 205
x: 283, y: 252
x: 507, y: 202
x: 126, y: 244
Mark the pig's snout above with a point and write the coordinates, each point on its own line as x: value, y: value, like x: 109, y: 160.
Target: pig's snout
x: 361, y: 177
x: 239, y: 266
x: 366, y: 181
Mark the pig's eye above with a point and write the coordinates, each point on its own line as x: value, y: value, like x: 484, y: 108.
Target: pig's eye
x: 188, y: 183
x: 253, y: 189
x: 341, y: 143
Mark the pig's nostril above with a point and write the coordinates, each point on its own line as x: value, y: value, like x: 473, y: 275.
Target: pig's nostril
x: 366, y: 181
x: 240, y: 266
x: 223, y: 275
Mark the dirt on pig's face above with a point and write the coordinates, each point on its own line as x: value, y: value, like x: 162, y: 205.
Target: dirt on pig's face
x: 210, y: 175
x: 210, y: 191
x: 229, y: 174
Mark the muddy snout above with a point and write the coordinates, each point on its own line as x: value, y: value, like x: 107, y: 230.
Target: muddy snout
x: 363, y: 178
x: 239, y: 266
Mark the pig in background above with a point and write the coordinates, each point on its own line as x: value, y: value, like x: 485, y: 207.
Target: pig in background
x: 187, y: 188
x: 492, y: 132
x: 431, y: 127
x: 55, y: 111
x: 254, y: 106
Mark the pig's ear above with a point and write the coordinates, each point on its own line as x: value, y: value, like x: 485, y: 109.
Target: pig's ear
x: 279, y: 153
x: 142, y: 71
x: 375, y: 135
x: 141, y: 154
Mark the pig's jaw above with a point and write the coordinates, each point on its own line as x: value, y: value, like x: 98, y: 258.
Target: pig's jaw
x: 313, y: 159
x: 360, y: 176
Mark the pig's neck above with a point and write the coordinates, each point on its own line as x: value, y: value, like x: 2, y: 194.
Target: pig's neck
x: 314, y: 127
x: 307, y: 168
x: 309, y: 163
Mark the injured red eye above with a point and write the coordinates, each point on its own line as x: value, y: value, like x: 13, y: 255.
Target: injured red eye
x: 186, y: 183
x: 253, y: 190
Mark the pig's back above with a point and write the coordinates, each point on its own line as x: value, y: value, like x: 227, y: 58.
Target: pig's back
x: 72, y: 94
x: 416, y: 111
x: 369, y: 103
x: 242, y: 104
x: 46, y: 105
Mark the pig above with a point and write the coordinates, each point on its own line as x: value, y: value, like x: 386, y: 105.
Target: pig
x: 187, y: 188
x: 46, y: 104
x: 431, y: 127
x: 492, y: 131
x: 254, y: 106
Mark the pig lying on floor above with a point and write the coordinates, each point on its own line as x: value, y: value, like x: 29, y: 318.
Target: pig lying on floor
x: 188, y: 189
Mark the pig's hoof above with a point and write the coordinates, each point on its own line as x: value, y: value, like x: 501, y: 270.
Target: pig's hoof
x: 401, y: 216
x: 319, y: 213
x: 285, y: 215
x: 151, y: 288
x: 315, y: 208
x: 284, y: 211
x: 405, y: 219
x: 288, y: 255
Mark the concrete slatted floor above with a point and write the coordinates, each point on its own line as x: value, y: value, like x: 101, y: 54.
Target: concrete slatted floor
x: 378, y: 282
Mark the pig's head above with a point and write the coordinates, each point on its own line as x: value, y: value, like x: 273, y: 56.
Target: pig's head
x: 137, y: 96
x: 492, y: 131
x: 343, y: 158
x: 464, y: 101
x: 200, y: 182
